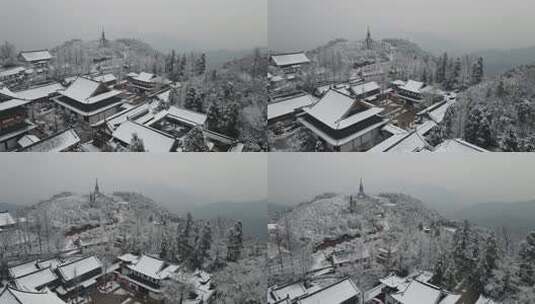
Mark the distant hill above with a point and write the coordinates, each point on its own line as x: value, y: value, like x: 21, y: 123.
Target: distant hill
x: 499, y: 61
x: 8, y: 207
x: 517, y: 217
x: 253, y: 215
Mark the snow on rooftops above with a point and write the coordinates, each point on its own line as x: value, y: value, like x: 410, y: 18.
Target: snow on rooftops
x: 6, y: 219
x: 333, y: 107
x: 402, y: 142
x: 105, y: 78
x: 36, y: 280
x: 413, y: 86
x: 457, y: 145
x: 59, y: 142
x: 392, y: 281
x: 8, y: 93
x: 129, y: 258
x: 153, y: 267
x: 365, y: 88
x: 187, y: 116
x: 143, y: 76
x: 11, y: 72
x: 85, y: 90
x: 419, y: 292
x: 40, y: 92
x: 290, y: 59
x: 293, y: 290
x: 336, y: 293
x: 32, y: 56
x: 27, y: 140
x: 153, y: 140
x: 398, y: 83
x: 11, y: 295
x: 289, y: 105
x: 12, y: 103
x: 22, y: 269
x: 79, y: 267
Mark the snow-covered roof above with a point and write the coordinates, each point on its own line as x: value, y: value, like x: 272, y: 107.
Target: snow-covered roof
x: 12, y: 103
x: 187, y: 116
x: 84, y: 90
x: 59, y: 142
x: 418, y: 292
x: 32, y: 56
x: 40, y: 92
x: 132, y: 113
x: 392, y: 281
x: 128, y: 257
x: 292, y: 291
x: 52, y: 263
x: 401, y: 142
x: 398, y: 82
x: 392, y: 129
x: 413, y: 86
x: 153, y: 140
x: 105, y: 78
x: 457, y: 145
x: 8, y: 93
x: 153, y: 267
x: 27, y: 140
x: 333, y: 107
x: 365, y: 88
x: 484, y: 300
x: 11, y: 72
x: 11, y: 295
x: 37, y: 279
x: 143, y: 76
x: 79, y: 267
x: 290, y: 59
x: 22, y: 269
x: 6, y: 219
x: 336, y: 293
x: 289, y: 105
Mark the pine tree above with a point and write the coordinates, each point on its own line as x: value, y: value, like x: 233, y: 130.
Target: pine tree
x: 194, y: 141
x: 527, y: 260
x: 213, y: 116
x: 477, y: 71
x: 190, y: 101
x: 136, y: 144
x: 489, y: 262
x: 509, y: 142
x: 201, y: 64
x: 500, y: 90
x: 235, y: 243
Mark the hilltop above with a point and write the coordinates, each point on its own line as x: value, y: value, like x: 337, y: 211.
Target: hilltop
x: 497, y: 114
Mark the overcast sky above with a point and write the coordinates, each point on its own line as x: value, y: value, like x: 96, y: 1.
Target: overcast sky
x: 493, y: 177
x: 461, y: 24
x: 210, y: 24
x: 184, y: 178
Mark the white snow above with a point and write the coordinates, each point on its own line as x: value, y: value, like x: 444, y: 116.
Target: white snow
x: 36, y: 55
x: 153, y: 267
x: 289, y: 105
x: 12, y: 103
x: 36, y: 280
x: 79, y: 267
x: 27, y: 140
x: 365, y: 88
x: 292, y: 290
x: 144, y: 77
x: 83, y: 90
x: 40, y: 92
x: 6, y: 219
x: 56, y: 143
x: 334, y: 294
x: 187, y: 116
x: 457, y: 146
x: 418, y: 292
x: 22, y: 269
x: 129, y: 258
x: 290, y: 59
x: 413, y: 86
x: 10, y: 72
x: 153, y: 140
x: 13, y: 296
x: 105, y: 78
x: 331, y: 108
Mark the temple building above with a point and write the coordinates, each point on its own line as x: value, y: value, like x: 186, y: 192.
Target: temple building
x: 14, y: 120
x: 343, y: 123
x: 12, y: 295
x: 290, y: 62
x: 38, y: 60
x: 91, y: 101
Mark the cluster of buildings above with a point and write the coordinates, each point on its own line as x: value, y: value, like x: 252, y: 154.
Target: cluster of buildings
x: 32, y: 66
x: 73, y: 279
x: 106, y: 112
x: 358, y: 114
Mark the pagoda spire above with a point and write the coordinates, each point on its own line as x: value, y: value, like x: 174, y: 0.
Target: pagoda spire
x: 369, y: 40
x: 97, y: 190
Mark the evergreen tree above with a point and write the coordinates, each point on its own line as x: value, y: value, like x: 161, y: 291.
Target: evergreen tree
x: 509, y: 142
x: 477, y: 71
x: 190, y: 101
x: 136, y: 144
x: 194, y: 141
x: 201, y: 64
x: 500, y: 90
x: 213, y: 116
x: 235, y: 243
x: 527, y: 260
x: 203, y: 247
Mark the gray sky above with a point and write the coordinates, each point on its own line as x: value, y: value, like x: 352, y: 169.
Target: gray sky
x: 183, y: 178
x: 442, y: 177
x: 461, y: 24
x: 206, y: 24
